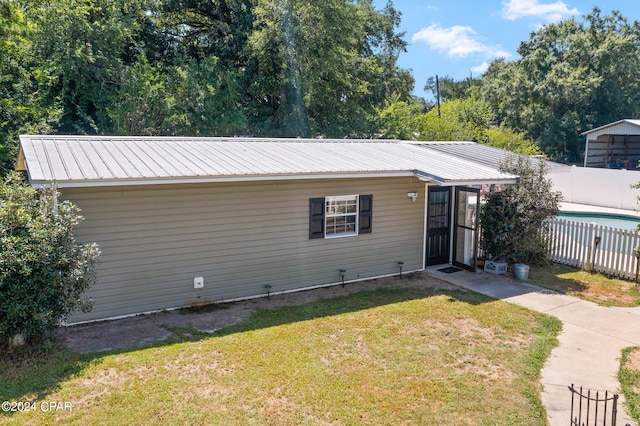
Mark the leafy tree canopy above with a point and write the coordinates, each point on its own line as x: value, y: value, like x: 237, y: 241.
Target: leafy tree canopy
x: 572, y: 76
x: 196, y: 67
x: 465, y: 119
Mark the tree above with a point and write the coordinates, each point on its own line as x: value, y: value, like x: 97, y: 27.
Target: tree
x: 400, y: 119
x: 449, y: 88
x: 203, y: 67
x: 43, y: 270
x: 465, y: 119
x: 20, y: 109
x: 513, y: 218
x: 572, y: 76
x: 81, y: 48
x: 323, y: 68
x: 197, y: 98
x: 206, y: 100
x: 142, y: 102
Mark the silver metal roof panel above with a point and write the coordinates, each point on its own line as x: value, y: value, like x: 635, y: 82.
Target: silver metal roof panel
x: 105, y: 160
x: 478, y: 153
x: 620, y: 127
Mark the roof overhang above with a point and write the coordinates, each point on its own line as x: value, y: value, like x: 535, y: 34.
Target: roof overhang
x: 423, y: 176
x: 506, y: 180
x: 632, y: 122
x: 93, y: 183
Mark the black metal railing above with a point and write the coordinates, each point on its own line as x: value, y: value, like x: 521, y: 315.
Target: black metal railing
x: 593, y: 410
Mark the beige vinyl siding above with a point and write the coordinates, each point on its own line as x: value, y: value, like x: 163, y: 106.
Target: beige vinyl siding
x: 239, y: 236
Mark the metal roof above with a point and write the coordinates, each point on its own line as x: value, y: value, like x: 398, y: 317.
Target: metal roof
x: 106, y: 161
x: 478, y: 153
x: 620, y: 127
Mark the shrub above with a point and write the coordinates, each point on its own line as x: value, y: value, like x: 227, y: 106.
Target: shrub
x: 43, y: 270
x: 513, y: 217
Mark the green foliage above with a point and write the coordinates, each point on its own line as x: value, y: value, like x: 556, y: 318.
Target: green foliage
x: 465, y: 119
x: 20, y: 107
x: 82, y: 46
x: 629, y: 377
x: 399, y: 119
x: 206, y: 100
x: 196, y: 98
x: 572, y: 76
x: 196, y: 67
x: 323, y: 68
x: 512, y: 218
x: 43, y: 270
x: 142, y: 101
x: 449, y: 88
x: 510, y: 140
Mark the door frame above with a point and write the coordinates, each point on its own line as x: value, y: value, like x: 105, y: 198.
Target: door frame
x: 444, y: 258
x: 456, y: 225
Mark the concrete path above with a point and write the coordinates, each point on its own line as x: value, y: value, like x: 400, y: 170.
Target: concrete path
x: 590, y: 343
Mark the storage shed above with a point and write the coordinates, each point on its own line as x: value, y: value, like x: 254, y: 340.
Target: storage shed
x: 190, y: 221
x: 613, y: 146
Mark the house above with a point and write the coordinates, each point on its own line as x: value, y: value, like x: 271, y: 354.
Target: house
x: 190, y: 221
x: 613, y: 146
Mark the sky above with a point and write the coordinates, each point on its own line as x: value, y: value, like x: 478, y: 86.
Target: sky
x: 459, y: 38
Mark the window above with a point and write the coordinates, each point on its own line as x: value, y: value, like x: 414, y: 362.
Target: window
x: 340, y: 216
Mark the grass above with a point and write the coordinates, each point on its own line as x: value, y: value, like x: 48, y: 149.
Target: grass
x: 390, y: 356
x: 593, y: 287
x: 629, y: 376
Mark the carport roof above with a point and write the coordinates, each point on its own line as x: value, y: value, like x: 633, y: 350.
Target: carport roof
x: 73, y: 161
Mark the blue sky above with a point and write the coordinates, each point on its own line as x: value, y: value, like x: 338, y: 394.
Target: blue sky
x: 459, y: 38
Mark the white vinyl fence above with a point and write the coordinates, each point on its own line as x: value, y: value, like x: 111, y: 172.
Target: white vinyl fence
x: 594, y: 247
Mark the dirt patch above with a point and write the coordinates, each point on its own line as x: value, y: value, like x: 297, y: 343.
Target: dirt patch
x: 633, y: 363
x: 145, y: 329
x: 633, y: 360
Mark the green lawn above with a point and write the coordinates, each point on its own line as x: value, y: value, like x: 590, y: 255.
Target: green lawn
x: 594, y: 287
x: 390, y: 356
x: 629, y: 376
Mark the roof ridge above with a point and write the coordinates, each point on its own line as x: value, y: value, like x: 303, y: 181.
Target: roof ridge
x: 245, y: 139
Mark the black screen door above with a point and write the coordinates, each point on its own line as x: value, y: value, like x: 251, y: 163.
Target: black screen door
x: 465, y: 243
x: 438, y: 225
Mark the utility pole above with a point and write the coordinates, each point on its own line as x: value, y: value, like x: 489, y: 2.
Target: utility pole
x: 438, y: 94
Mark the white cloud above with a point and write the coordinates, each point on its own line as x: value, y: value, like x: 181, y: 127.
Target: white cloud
x: 480, y: 69
x: 552, y: 12
x: 457, y: 41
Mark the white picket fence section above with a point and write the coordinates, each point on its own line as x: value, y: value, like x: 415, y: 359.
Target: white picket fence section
x: 593, y: 247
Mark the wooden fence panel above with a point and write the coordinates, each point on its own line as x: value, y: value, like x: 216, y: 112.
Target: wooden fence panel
x: 593, y: 247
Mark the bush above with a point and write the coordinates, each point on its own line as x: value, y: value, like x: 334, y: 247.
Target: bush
x: 513, y: 218
x: 43, y: 270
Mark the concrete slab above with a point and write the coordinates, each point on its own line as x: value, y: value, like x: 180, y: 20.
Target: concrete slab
x: 589, y: 346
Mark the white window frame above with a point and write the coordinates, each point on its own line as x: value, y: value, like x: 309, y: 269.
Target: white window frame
x: 328, y: 214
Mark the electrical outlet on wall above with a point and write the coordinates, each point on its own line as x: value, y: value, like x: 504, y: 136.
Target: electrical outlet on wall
x: 198, y: 282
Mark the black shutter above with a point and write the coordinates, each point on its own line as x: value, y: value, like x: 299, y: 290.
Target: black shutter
x: 316, y: 218
x: 366, y: 214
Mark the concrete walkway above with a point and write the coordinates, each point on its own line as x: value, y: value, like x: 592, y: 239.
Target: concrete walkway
x: 590, y: 344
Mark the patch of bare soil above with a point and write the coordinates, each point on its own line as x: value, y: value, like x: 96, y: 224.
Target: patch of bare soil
x: 633, y: 360
x: 145, y: 329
